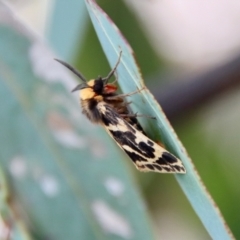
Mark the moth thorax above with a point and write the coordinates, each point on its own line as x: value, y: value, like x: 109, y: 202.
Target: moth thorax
x: 86, y: 93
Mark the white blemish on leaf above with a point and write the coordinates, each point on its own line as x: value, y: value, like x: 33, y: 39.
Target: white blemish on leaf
x: 111, y: 221
x: 69, y: 139
x: 98, y: 152
x: 44, y: 66
x: 63, y: 131
x: 18, y: 167
x: 98, y: 149
x: 49, y: 185
x: 114, y: 186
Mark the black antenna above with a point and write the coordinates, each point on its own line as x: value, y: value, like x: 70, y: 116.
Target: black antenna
x: 76, y: 72
x: 113, y: 70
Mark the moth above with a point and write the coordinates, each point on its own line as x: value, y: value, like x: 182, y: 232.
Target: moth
x: 102, y: 105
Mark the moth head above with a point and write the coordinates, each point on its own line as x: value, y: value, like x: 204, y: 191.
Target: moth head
x: 92, y: 88
x: 85, y: 88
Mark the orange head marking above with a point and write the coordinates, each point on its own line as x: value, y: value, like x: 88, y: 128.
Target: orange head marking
x: 86, y: 93
x: 92, y: 90
x: 91, y: 83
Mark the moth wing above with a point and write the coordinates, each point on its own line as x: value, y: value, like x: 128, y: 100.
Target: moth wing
x: 145, y: 153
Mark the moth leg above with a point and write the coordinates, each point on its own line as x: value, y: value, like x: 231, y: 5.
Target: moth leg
x: 127, y: 94
x: 116, y: 79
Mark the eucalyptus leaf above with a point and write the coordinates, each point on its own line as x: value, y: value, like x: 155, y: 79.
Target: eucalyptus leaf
x: 130, y: 79
x: 66, y: 174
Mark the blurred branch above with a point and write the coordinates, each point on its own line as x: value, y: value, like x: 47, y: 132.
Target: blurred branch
x: 183, y: 97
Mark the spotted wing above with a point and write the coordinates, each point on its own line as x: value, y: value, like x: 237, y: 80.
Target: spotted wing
x: 145, y: 154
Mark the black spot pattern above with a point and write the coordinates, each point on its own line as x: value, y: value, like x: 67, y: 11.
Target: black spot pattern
x: 168, y: 157
x: 129, y: 139
x: 110, y: 117
x: 126, y: 138
x: 105, y: 120
x: 178, y: 168
x: 150, y: 166
x: 147, y: 149
x: 167, y: 169
x: 135, y: 157
x: 161, y: 161
x: 157, y: 167
x: 150, y: 143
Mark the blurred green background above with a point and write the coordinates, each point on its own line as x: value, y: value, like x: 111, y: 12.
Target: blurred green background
x: 210, y: 133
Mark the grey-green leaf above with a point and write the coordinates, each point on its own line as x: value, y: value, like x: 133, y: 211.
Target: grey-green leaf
x: 68, y: 176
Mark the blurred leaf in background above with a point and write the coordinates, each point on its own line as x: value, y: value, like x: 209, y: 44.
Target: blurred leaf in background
x: 66, y: 174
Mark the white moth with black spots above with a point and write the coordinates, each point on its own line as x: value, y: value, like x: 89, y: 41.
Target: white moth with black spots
x: 102, y: 105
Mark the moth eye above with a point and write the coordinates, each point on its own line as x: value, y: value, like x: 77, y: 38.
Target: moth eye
x: 98, y: 86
